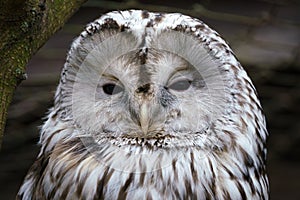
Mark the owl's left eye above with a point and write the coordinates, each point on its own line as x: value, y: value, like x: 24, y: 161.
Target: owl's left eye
x: 181, y: 85
x: 111, y: 89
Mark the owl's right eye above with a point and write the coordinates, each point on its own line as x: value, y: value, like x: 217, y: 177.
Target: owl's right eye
x: 111, y: 89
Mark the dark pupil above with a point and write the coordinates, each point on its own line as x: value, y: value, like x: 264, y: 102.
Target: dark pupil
x: 180, y: 85
x: 112, y: 89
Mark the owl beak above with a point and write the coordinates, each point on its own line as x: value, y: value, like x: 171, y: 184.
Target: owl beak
x: 144, y: 117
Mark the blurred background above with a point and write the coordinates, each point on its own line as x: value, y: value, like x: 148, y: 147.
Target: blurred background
x: 265, y: 36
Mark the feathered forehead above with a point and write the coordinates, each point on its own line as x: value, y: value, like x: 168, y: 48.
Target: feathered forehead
x: 145, y: 26
x: 139, y: 21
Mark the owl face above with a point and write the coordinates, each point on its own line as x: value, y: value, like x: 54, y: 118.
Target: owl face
x: 146, y: 94
x: 150, y: 98
x: 146, y: 80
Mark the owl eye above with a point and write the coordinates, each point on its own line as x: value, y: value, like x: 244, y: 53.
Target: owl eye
x: 111, y: 89
x: 181, y: 85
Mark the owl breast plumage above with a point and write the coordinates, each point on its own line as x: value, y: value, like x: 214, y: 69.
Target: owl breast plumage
x: 151, y: 106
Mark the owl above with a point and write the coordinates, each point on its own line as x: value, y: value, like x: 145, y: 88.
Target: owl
x: 151, y: 106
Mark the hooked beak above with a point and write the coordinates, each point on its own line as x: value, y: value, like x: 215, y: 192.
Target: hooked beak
x: 144, y: 117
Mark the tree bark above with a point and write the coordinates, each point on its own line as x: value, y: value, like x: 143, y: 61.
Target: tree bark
x: 25, y: 25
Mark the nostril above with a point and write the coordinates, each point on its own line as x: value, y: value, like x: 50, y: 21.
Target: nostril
x: 143, y: 89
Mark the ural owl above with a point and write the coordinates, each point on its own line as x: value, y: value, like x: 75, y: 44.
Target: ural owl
x: 151, y: 106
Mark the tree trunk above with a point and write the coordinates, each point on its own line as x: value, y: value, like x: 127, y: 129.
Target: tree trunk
x: 25, y: 25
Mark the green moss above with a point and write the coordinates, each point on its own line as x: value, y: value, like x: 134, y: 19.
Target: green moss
x: 24, y: 27
x: 21, y: 37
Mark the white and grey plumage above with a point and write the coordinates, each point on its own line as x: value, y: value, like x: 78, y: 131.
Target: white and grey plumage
x: 151, y: 106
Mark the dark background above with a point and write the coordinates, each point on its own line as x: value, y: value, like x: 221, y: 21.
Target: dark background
x: 264, y: 34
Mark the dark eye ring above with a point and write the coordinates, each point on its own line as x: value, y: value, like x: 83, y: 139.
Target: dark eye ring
x: 181, y: 85
x: 112, y: 89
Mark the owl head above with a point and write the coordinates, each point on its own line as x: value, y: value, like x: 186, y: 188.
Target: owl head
x: 141, y: 80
